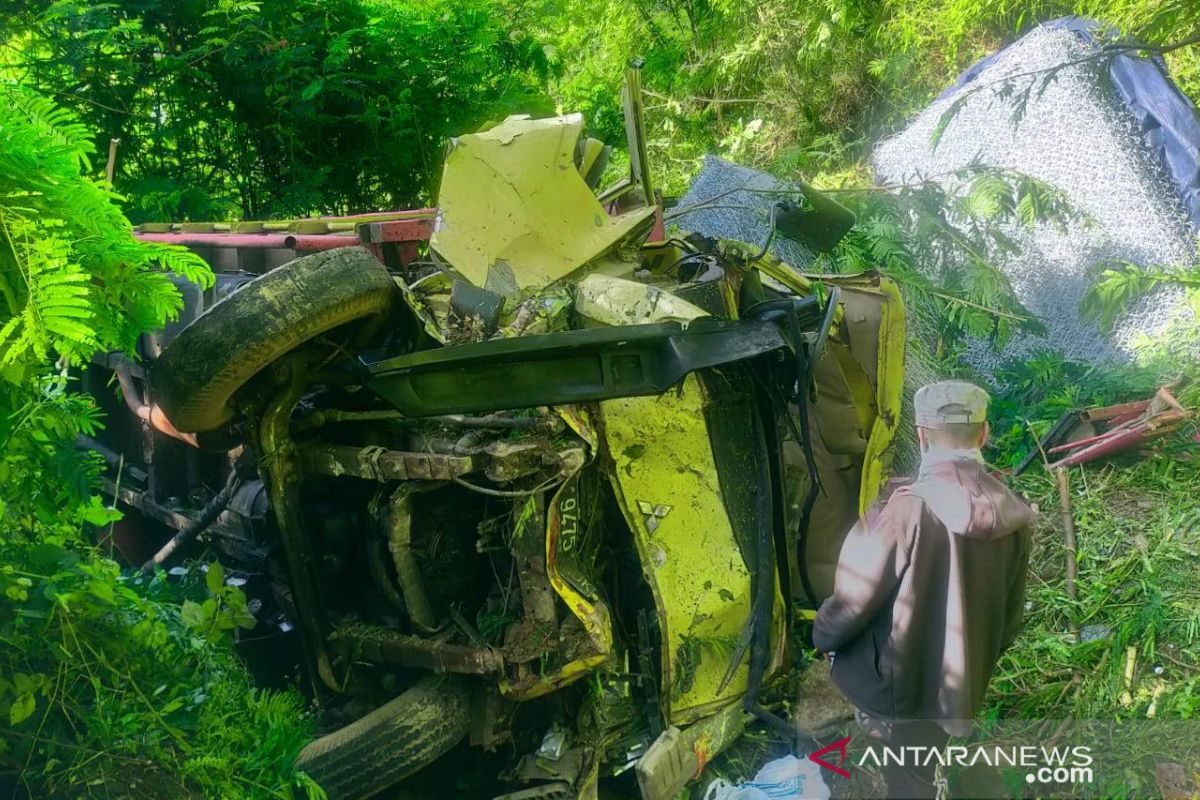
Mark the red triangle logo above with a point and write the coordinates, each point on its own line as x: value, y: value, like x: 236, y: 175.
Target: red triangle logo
x: 840, y: 745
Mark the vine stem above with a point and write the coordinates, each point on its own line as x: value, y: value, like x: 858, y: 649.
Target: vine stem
x: 994, y: 311
x: 70, y: 745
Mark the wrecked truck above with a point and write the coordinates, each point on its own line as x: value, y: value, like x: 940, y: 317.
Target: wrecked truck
x: 525, y: 471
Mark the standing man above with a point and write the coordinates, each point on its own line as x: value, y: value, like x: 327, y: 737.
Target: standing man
x: 929, y: 589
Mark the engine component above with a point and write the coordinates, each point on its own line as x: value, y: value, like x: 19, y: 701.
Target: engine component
x: 385, y: 646
x: 399, y: 527
x: 380, y: 464
x: 537, y: 631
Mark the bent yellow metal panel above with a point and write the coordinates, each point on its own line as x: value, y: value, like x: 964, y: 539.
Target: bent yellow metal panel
x: 667, y: 485
x: 889, y: 393
x: 514, y: 214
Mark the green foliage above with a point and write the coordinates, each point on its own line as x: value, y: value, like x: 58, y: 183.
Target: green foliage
x: 1138, y: 534
x: 105, y: 689
x: 761, y: 81
x: 106, y: 692
x: 221, y: 612
x: 804, y: 89
x: 1137, y: 521
x: 72, y: 282
x: 1117, y: 288
x: 822, y: 80
x: 267, y: 108
x: 252, y: 109
x: 939, y: 244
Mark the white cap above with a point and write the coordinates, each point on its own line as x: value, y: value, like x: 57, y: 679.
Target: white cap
x: 949, y: 403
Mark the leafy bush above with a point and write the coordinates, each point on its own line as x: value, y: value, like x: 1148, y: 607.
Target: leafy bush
x: 254, y: 109
x: 822, y: 81
x: 107, y: 688
x: 72, y: 282
x: 105, y: 692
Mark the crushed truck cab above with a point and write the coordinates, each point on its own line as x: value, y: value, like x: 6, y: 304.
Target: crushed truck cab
x: 534, y: 473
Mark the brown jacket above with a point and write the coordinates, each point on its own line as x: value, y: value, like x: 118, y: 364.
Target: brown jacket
x: 928, y: 593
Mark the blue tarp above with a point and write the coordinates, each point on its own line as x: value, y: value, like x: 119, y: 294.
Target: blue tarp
x: 1169, y: 123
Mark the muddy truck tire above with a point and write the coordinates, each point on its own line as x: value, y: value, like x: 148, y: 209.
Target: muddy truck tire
x: 203, y: 367
x: 392, y: 742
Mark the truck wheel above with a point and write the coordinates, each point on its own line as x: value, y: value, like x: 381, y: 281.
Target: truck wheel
x: 202, y: 368
x: 390, y: 743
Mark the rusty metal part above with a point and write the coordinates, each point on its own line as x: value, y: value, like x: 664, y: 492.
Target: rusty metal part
x: 329, y: 416
x: 1122, y: 438
x: 491, y: 718
x: 330, y: 222
x: 389, y: 231
x: 408, y: 574
x: 377, y: 564
x: 144, y: 503
x: 280, y: 466
x: 384, y: 646
x: 537, y: 632
x: 394, y: 241
x: 149, y: 413
x: 212, y: 509
x: 398, y: 230
x: 254, y: 241
x: 380, y: 464
x: 540, y: 424
x: 1128, y: 425
x: 586, y: 639
x: 114, y: 460
x: 508, y: 461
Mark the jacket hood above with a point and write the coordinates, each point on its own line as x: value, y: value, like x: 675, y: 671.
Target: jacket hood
x: 969, y: 501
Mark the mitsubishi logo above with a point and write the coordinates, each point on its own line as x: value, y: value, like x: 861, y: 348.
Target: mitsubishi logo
x: 652, y: 514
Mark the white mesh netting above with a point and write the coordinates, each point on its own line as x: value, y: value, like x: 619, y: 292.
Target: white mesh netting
x: 1076, y: 134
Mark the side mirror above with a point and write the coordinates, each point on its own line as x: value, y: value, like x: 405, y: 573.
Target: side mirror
x: 818, y: 222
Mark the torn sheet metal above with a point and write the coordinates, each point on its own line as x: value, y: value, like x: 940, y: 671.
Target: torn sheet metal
x: 514, y: 212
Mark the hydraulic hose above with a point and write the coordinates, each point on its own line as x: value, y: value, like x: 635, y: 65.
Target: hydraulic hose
x: 148, y: 412
x: 764, y: 590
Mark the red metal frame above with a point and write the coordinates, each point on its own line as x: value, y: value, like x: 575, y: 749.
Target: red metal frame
x: 1131, y: 424
x: 393, y: 241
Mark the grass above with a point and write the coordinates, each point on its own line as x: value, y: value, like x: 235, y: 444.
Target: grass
x: 1138, y: 534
